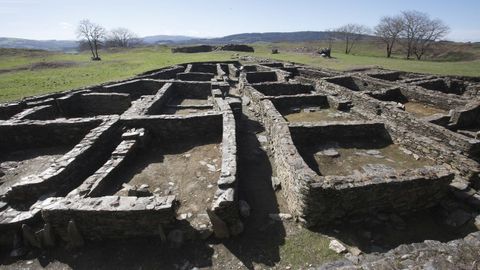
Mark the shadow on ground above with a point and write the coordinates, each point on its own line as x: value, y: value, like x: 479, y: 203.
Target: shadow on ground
x: 385, y: 231
x: 262, y: 238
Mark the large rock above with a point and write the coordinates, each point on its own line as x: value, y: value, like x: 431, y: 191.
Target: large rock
x: 237, y: 48
x: 337, y: 246
x: 193, y: 49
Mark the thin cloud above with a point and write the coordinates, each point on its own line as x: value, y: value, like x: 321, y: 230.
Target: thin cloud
x: 66, y: 25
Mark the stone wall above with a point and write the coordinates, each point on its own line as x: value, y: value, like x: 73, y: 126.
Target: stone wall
x: 449, y: 86
x: 72, y: 168
x: 193, y: 49
x: 104, y: 103
x: 195, y: 76
x: 135, y: 88
x: 110, y: 217
x: 258, y: 77
x: 306, y: 133
x: 164, y: 73
x: 195, y: 127
x: 318, y: 199
x: 33, y: 134
x: 276, y: 89
x: 225, y: 205
x: 467, y: 117
x: 42, y: 112
x: 10, y: 109
x: 333, y: 198
x: 237, y: 48
x: 401, y: 122
x: 301, y: 100
x: 202, y: 68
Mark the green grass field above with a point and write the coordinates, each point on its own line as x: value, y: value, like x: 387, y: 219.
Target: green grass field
x: 26, y: 73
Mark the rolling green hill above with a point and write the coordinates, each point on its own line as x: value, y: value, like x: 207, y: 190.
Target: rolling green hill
x: 32, y: 72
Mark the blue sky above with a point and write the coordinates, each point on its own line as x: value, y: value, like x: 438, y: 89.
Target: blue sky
x: 57, y: 19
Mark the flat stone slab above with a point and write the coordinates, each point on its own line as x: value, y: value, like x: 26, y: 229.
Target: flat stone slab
x: 377, y: 169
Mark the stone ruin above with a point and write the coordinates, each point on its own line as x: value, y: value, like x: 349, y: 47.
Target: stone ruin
x: 211, y: 48
x: 156, y: 155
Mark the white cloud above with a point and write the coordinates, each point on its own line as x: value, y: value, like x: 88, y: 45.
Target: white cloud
x: 65, y: 25
x: 464, y: 35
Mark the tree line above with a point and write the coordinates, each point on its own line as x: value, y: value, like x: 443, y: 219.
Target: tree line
x: 413, y: 31
x: 94, y: 36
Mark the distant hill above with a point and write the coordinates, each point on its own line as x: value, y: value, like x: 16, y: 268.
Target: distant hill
x: 245, y: 38
x: 166, y: 39
x: 49, y: 45
x: 265, y: 37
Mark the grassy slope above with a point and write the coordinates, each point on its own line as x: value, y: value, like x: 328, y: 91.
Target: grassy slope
x: 365, y: 55
x: 126, y: 63
x: 114, y: 66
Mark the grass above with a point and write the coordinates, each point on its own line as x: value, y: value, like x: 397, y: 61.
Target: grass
x: 114, y: 66
x: 341, y: 61
x: 21, y: 74
x: 306, y: 247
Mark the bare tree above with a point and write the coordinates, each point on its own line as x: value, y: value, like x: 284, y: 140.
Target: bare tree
x: 430, y: 33
x: 389, y: 31
x: 93, y: 34
x: 421, y: 32
x: 122, y: 37
x: 351, y: 33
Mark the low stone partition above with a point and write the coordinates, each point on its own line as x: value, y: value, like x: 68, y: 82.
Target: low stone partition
x: 396, y: 76
x: 103, y: 103
x: 193, y: 49
x: 98, y: 182
x: 187, y: 127
x: 109, y: 217
x: 444, y: 85
x: 10, y: 109
x: 261, y: 76
x: 78, y: 194
x: 18, y: 135
x: 349, y: 130
x: 467, y: 117
x: 236, y: 48
x: 164, y: 73
x: 71, y: 169
x: 354, y: 83
x: 301, y: 100
x: 195, y: 76
x: 223, y: 212
x: 277, y: 89
x: 317, y: 73
x: 135, y: 88
x: 225, y: 204
x: 42, y: 112
x: 172, y: 95
x: 318, y: 199
x: 202, y: 68
x: 447, y: 145
x: 233, y: 71
x: 445, y: 102
x: 353, y: 197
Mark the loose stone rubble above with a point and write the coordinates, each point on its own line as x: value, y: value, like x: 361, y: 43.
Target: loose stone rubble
x: 156, y: 155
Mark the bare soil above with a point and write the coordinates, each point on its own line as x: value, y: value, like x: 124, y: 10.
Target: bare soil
x: 421, y: 109
x: 353, y: 155
x: 265, y: 243
x: 16, y: 165
x: 56, y: 64
x: 190, y: 173
x: 41, y: 65
x: 189, y: 101
x: 317, y: 115
x: 184, y: 111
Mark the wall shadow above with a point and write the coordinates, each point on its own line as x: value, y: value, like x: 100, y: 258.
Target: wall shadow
x: 260, y: 241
